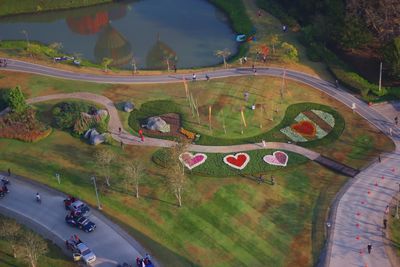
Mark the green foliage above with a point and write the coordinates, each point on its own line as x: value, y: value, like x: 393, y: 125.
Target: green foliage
x: 16, y: 100
x: 215, y: 167
x: 4, y: 92
x: 391, y: 54
x: 289, y: 52
x: 276, y: 9
x: 354, y: 34
x: 236, y: 11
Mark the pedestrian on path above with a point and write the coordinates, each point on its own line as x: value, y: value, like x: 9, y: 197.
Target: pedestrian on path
x: 141, y: 135
x: 387, y: 209
x: 369, y: 247
x: 119, y: 129
x: 272, y: 180
x: 175, y: 69
x: 259, y: 13
x: 194, y: 77
x: 379, y: 158
x: 396, y: 120
x: 399, y: 187
x: 207, y: 77
x: 353, y: 107
x: 384, y: 223
x: 391, y: 131
x: 260, y: 179
x: 9, y: 172
x: 122, y: 144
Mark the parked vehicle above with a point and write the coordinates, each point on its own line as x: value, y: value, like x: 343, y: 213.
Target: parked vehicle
x: 79, y: 250
x: 76, y: 206
x: 80, y: 222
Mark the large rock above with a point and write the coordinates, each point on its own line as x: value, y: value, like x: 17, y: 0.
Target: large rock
x: 102, y: 113
x: 128, y: 106
x: 157, y: 124
x: 97, y: 139
x: 89, y: 133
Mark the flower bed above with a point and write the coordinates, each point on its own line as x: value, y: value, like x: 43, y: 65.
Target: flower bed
x: 213, y: 162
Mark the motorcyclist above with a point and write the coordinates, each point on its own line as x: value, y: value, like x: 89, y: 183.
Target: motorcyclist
x: 38, y: 199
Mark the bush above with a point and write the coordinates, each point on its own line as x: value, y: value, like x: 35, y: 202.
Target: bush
x: 16, y: 100
x: 67, y: 113
x: 214, y: 165
x: 4, y: 98
x: 236, y: 11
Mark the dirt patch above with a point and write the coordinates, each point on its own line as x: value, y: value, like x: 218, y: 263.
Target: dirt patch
x: 298, y: 253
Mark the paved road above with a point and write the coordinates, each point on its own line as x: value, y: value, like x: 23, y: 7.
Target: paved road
x: 108, y: 241
x: 350, y: 232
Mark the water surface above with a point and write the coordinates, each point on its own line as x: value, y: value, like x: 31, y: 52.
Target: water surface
x: 153, y: 32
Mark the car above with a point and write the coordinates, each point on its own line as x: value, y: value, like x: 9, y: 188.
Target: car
x: 80, y: 249
x: 76, y: 206
x: 80, y: 222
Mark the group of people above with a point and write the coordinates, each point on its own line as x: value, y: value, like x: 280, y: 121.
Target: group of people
x: 4, y: 188
x: 3, y: 62
x: 145, y: 262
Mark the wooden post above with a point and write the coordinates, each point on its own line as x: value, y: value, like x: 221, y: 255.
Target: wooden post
x: 244, y: 120
x: 209, y: 116
x: 197, y: 110
x: 380, y: 77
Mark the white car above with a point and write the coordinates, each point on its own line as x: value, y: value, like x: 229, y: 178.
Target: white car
x: 87, y: 255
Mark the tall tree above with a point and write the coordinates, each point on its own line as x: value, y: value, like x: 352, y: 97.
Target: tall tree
x: 32, y: 247
x: 391, y: 54
x: 133, y: 172
x: 10, y: 230
x: 16, y: 100
x: 224, y: 54
x: 274, y: 40
x: 104, y: 158
x: 177, y: 179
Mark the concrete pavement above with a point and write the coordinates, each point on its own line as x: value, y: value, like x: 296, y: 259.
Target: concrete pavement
x: 110, y: 244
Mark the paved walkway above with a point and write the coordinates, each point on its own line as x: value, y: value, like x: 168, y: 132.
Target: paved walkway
x: 110, y: 244
x: 359, y: 213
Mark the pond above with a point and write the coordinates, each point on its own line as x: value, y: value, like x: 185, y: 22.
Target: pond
x: 154, y: 33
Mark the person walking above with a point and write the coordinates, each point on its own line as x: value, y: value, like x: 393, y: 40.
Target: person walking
x: 396, y: 120
x: 119, y: 129
x: 207, y: 77
x: 9, y: 172
x: 194, y: 77
x: 369, y: 248
x: 387, y: 209
x: 175, y: 69
x: 384, y: 223
x: 272, y: 180
x: 141, y: 135
x: 260, y: 179
x: 390, y: 131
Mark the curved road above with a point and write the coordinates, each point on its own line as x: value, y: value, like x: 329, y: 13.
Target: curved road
x: 359, y: 213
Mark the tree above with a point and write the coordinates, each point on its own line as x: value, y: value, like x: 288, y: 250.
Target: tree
x: 104, y: 158
x: 32, y: 247
x: 10, y: 230
x: 274, y: 40
x: 289, y: 52
x: 133, y: 172
x: 224, y: 54
x: 177, y: 179
x: 391, y: 55
x: 16, y: 100
x: 106, y: 62
x: 354, y: 34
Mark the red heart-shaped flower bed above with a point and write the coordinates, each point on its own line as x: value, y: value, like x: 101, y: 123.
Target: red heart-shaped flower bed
x: 305, y: 128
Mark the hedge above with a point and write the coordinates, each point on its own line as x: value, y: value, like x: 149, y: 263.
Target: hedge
x: 214, y: 165
x: 159, y: 107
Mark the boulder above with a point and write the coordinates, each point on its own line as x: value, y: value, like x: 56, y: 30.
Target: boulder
x: 97, y: 139
x: 128, y: 106
x: 157, y: 124
x: 102, y: 113
x: 91, y: 132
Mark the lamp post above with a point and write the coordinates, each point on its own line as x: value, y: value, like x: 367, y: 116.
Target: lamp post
x: 97, y: 194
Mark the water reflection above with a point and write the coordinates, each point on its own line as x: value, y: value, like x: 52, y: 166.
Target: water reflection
x: 192, y: 29
x: 112, y: 44
x: 161, y: 56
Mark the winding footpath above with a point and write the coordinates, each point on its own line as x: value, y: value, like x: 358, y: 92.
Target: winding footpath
x: 357, y: 216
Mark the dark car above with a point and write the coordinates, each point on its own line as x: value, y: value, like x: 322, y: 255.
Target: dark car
x: 82, y: 223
